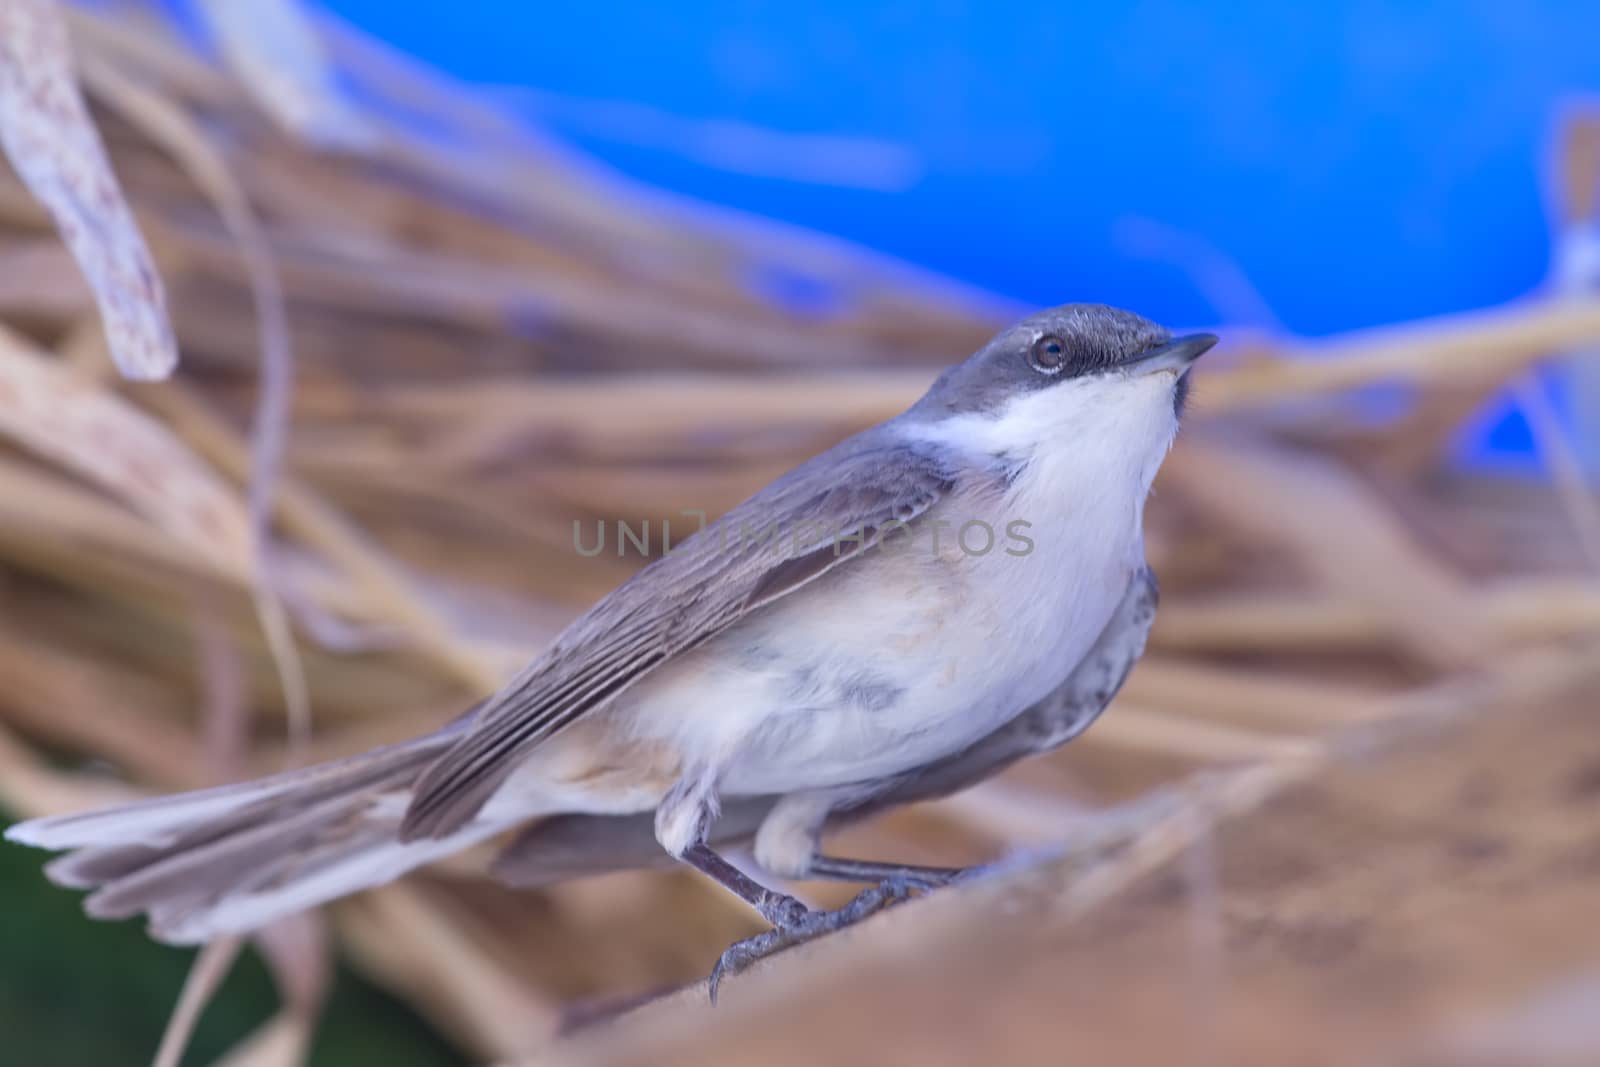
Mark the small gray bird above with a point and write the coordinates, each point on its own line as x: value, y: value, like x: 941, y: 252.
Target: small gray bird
x: 896, y: 619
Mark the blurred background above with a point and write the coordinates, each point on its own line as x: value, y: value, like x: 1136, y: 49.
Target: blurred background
x: 444, y: 281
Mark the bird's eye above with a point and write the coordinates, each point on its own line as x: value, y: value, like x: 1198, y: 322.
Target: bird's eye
x: 1048, y: 355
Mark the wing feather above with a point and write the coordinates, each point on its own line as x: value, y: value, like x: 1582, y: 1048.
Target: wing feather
x: 815, y: 518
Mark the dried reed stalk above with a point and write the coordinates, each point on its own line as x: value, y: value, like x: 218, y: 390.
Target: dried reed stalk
x: 497, y: 342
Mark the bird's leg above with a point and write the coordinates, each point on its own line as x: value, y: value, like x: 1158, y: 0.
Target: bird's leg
x: 894, y: 882
x: 786, y: 845
x: 810, y: 926
x: 779, y: 909
x: 683, y: 823
x: 788, y: 842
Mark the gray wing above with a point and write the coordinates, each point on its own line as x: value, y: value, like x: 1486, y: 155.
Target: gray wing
x: 571, y: 846
x: 824, y: 512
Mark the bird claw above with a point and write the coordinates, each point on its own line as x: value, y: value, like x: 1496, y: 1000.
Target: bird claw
x: 782, y: 910
x: 811, y: 925
x: 741, y: 954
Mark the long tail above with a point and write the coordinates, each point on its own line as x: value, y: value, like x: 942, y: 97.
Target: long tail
x: 235, y: 858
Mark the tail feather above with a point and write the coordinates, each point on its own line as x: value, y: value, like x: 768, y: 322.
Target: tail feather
x: 243, y: 860
x: 165, y: 821
x: 372, y: 858
x: 235, y: 858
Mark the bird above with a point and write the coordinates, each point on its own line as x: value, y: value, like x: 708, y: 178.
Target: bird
x: 893, y: 620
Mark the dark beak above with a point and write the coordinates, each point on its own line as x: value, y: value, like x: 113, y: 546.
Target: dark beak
x: 1176, y: 355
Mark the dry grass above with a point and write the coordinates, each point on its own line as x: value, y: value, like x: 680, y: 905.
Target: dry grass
x: 492, y: 341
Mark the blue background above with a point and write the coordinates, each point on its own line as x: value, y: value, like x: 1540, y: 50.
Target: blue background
x: 1362, y: 162
x: 1358, y: 162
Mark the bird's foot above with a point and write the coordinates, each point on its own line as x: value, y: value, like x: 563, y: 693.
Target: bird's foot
x: 809, y: 925
x: 781, y: 910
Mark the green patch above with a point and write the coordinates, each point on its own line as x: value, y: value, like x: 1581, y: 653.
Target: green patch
x: 75, y: 992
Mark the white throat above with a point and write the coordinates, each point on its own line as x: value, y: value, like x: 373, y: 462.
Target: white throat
x: 1098, y: 438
